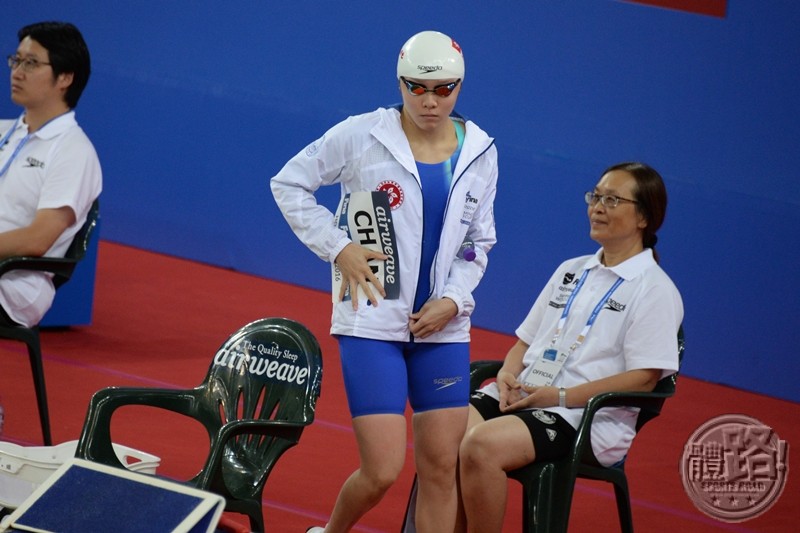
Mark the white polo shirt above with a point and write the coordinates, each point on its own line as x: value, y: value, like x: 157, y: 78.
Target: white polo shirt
x: 54, y: 167
x: 636, y: 329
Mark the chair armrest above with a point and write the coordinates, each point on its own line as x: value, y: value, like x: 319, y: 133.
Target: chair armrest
x: 646, y: 400
x: 95, y: 441
x: 59, y: 266
x: 626, y: 399
x: 480, y: 371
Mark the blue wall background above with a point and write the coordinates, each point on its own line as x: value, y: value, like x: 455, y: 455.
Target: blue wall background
x: 194, y: 105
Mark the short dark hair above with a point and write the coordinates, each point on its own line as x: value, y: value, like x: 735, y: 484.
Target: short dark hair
x: 68, y: 53
x: 651, y: 198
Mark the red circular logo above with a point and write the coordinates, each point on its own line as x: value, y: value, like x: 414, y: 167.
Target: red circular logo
x: 392, y: 188
x: 734, y: 467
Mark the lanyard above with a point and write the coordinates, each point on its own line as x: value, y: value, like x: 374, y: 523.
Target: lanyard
x: 5, y: 140
x: 24, y: 140
x: 589, y: 323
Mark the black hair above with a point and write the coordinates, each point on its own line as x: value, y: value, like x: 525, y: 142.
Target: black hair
x: 68, y: 54
x: 651, y: 198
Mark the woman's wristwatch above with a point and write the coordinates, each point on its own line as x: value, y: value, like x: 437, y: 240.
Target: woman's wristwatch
x: 562, y: 397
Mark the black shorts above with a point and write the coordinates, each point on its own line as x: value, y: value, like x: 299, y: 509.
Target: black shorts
x: 552, y: 435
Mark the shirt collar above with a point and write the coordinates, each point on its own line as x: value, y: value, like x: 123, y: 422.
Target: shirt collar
x: 628, y: 269
x: 55, y: 126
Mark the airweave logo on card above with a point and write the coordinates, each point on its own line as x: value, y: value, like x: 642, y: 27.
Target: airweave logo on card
x: 268, y: 360
x: 366, y: 217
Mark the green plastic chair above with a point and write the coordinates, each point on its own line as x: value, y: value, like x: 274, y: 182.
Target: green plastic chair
x: 547, y: 486
x: 62, y: 269
x: 259, y: 394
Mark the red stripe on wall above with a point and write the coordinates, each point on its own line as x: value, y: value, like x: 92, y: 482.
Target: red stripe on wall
x: 714, y: 8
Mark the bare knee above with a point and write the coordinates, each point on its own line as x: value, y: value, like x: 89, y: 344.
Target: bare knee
x: 380, y: 478
x: 497, y: 445
x: 477, y: 450
x: 382, y: 448
x: 440, y: 472
x: 437, y: 435
x: 439, y: 460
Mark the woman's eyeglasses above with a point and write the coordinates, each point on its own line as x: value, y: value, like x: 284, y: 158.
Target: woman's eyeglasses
x: 608, y: 200
x: 417, y: 89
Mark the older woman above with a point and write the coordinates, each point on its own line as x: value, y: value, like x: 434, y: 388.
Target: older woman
x: 604, y: 322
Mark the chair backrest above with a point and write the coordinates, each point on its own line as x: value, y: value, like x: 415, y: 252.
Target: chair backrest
x: 269, y: 369
x: 665, y: 386
x: 80, y: 243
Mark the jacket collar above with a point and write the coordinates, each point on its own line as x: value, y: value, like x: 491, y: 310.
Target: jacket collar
x: 389, y: 132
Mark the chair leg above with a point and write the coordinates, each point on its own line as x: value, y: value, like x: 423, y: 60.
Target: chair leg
x: 251, y: 508
x: 37, y: 369
x: 537, y: 499
x: 542, y: 502
x: 623, y: 506
x: 409, y: 526
x: 257, y: 522
x: 546, y: 497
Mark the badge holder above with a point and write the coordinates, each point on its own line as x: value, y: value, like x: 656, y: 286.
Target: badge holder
x: 544, y: 371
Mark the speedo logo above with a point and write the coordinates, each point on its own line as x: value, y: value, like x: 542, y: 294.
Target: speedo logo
x: 614, y: 305
x: 447, y: 382
x: 427, y: 69
x: 34, y: 163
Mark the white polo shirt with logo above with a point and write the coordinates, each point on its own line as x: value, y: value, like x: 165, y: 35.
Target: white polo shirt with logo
x: 636, y: 329
x: 56, y: 166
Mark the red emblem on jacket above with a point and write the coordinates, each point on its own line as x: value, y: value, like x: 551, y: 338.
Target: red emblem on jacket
x: 394, y: 191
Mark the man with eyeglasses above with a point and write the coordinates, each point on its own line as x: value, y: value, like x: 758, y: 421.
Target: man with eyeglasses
x: 49, y: 170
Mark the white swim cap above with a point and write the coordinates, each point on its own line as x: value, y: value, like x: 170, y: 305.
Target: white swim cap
x: 431, y: 55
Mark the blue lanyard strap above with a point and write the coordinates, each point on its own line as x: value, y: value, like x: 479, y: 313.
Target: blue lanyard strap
x: 16, y: 151
x: 5, y: 140
x: 590, y: 322
x: 571, y: 299
x: 9, y: 133
x: 22, y: 143
x: 14, y: 155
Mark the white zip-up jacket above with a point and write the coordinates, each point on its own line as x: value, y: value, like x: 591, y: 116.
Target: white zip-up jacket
x: 363, y: 153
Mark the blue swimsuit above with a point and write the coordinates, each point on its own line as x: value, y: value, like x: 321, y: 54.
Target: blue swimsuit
x: 381, y: 375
